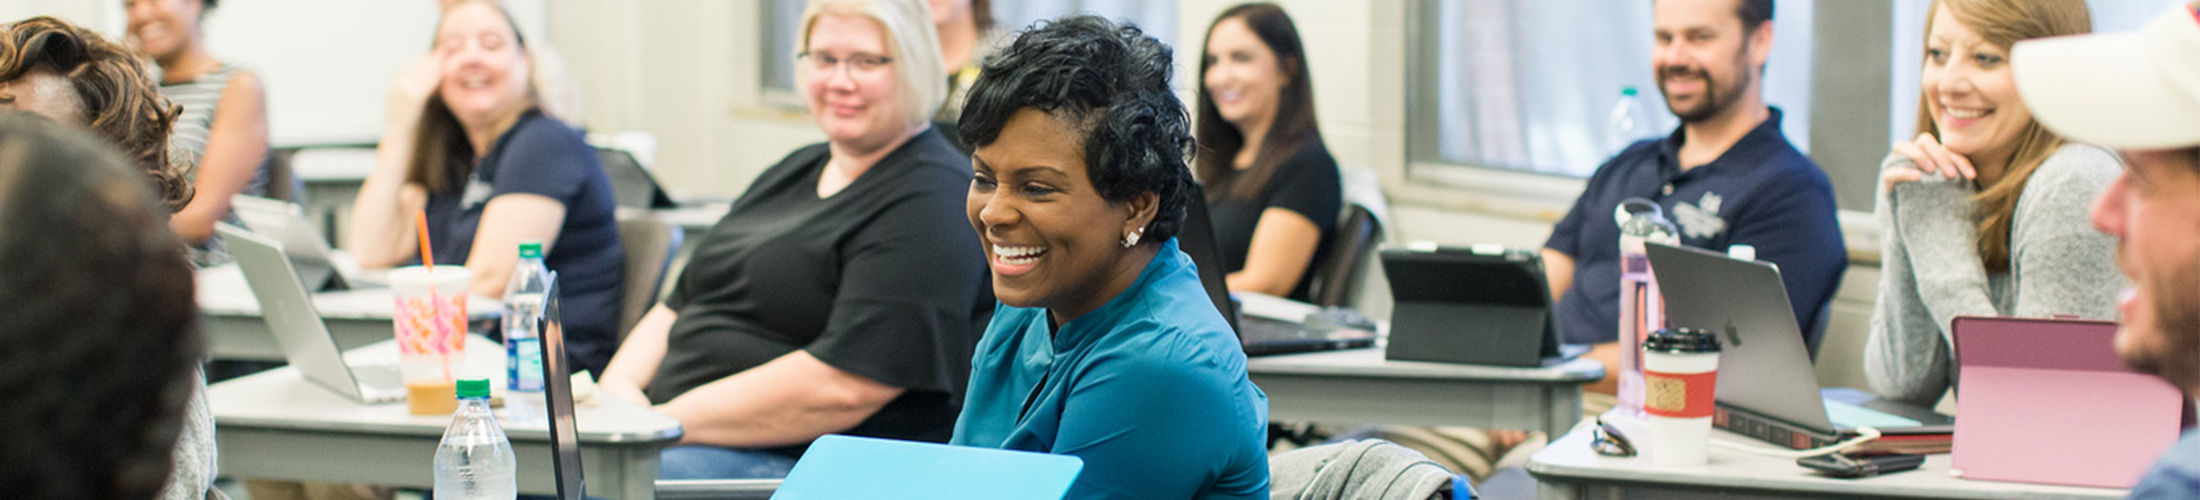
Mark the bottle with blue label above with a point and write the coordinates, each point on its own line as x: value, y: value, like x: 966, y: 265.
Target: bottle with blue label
x: 523, y: 299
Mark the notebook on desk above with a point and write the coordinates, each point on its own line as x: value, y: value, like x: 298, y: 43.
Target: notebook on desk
x: 297, y: 326
x: 1765, y: 372
x: 840, y: 467
x: 1260, y: 334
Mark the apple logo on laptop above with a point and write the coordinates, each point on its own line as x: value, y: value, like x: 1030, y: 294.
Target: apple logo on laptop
x: 1732, y: 338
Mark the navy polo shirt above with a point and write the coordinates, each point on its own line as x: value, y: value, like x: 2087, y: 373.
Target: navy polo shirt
x: 1760, y: 192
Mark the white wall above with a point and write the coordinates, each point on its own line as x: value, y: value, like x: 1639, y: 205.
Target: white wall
x: 326, y: 65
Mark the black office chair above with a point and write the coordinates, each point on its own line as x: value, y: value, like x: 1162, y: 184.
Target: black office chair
x: 1337, y: 277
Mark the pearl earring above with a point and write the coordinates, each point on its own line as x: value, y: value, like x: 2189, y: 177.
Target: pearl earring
x: 1131, y: 240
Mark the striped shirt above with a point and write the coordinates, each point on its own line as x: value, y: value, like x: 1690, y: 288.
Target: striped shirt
x: 199, y: 98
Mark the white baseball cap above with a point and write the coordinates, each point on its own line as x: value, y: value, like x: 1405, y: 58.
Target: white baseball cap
x: 2122, y: 90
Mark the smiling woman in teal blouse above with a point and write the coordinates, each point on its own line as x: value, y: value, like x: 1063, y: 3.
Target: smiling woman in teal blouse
x: 1105, y: 346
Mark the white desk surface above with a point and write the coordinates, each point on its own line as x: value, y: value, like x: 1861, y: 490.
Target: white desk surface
x: 276, y: 424
x: 316, y: 165
x: 1568, y: 469
x: 222, y: 291
x: 1358, y: 385
x: 1370, y: 362
x: 692, y: 218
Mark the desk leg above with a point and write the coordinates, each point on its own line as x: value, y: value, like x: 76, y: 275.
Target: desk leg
x: 1546, y: 490
x: 1564, y: 412
x: 638, y: 475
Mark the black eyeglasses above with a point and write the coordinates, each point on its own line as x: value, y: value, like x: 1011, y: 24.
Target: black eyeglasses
x: 859, y: 62
x: 1608, y: 441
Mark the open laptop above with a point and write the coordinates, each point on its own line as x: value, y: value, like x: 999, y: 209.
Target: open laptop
x: 1764, y: 367
x: 1259, y: 334
x: 565, y: 444
x: 839, y: 467
x: 1485, y: 305
x: 631, y: 184
x: 297, y: 326
x: 286, y: 223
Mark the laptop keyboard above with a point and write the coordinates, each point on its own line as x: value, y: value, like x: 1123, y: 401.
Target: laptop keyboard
x: 1267, y: 330
x: 1847, y: 415
x: 378, y: 376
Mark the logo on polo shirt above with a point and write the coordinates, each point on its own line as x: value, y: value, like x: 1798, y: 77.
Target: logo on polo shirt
x: 1700, y: 220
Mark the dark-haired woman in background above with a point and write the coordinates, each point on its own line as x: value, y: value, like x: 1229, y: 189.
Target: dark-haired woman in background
x: 101, y: 339
x: 222, y: 135
x: 1105, y: 346
x: 492, y: 171
x: 1271, y: 184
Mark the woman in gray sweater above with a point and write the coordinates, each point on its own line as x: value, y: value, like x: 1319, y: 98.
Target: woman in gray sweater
x: 1985, y: 212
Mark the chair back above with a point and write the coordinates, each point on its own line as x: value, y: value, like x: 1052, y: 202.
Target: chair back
x: 650, y: 245
x: 1337, y: 278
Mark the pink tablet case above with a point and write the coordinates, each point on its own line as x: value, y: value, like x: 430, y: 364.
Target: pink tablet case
x: 2047, y: 401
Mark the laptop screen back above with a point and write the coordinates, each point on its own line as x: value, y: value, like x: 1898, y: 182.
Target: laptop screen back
x: 285, y: 223
x: 840, y: 467
x: 1763, y: 364
x: 289, y: 311
x: 1197, y: 240
x: 557, y: 386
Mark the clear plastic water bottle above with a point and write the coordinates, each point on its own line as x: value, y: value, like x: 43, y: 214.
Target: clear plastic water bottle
x: 475, y: 461
x: 523, y: 302
x: 523, y: 320
x: 1641, y: 306
x: 1628, y: 122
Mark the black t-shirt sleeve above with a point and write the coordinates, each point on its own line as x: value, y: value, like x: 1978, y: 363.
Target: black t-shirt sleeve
x: 1308, y: 184
x: 553, y: 162
x: 902, y: 316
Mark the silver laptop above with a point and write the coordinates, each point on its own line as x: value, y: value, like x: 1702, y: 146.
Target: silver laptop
x: 1763, y: 365
x: 286, y: 223
x: 297, y: 327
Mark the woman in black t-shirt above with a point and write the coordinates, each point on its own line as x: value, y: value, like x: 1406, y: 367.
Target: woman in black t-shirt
x: 1273, y: 187
x: 844, y: 291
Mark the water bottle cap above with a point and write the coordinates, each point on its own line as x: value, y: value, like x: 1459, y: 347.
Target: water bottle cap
x: 1627, y: 91
x: 473, y: 388
x: 530, y: 250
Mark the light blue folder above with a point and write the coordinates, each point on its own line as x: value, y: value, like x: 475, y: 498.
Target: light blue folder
x: 842, y: 467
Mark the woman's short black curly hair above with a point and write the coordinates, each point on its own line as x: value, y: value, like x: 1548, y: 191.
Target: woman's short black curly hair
x: 1110, y: 83
x: 101, y: 332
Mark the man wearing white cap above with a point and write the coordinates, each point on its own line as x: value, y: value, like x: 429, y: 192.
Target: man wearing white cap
x: 2140, y: 92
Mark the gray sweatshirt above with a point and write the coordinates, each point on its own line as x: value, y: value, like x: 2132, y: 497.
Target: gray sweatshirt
x: 195, y: 458
x: 1931, y: 272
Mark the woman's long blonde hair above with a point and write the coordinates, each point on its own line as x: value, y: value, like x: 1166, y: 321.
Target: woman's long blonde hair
x: 2004, y: 23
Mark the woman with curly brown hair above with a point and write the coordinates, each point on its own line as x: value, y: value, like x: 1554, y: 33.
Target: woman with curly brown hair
x: 72, y: 75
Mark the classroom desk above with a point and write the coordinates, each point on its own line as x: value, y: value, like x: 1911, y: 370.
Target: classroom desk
x: 230, y: 315
x: 1358, y: 385
x: 277, y: 425
x: 1567, y: 470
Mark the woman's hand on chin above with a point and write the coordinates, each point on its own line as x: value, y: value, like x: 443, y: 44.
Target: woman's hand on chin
x: 1930, y: 158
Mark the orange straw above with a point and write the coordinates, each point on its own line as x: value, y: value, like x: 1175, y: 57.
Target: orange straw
x: 427, y: 259
x: 420, y: 217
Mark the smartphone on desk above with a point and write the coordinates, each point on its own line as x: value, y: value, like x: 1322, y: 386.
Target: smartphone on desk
x: 1853, y: 466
